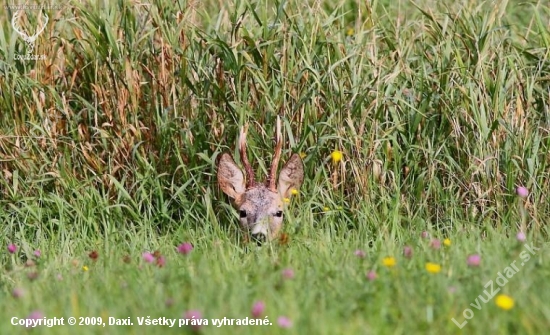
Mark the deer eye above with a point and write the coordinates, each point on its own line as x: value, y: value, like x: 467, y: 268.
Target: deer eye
x: 279, y: 214
x: 242, y: 213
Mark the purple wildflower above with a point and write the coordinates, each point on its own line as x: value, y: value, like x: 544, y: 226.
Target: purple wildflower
x: 148, y: 257
x: 522, y: 192
x: 474, y: 260
x: 371, y: 275
x: 284, y: 322
x: 258, y: 309
x: 185, y: 248
x: 407, y: 251
x: 12, y: 248
x: 288, y: 273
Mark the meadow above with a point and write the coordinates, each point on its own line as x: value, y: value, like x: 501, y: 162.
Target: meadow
x: 425, y: 134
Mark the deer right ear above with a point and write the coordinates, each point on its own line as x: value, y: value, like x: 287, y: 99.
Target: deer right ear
x: 230, y: 176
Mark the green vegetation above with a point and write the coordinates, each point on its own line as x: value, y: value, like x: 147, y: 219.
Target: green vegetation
x: 108, y: 148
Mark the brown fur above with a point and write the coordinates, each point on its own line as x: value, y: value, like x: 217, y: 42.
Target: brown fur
x: 262, y: 204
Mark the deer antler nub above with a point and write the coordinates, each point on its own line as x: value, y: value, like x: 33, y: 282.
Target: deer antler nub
x: 244, y: 158
x: 272, y: 178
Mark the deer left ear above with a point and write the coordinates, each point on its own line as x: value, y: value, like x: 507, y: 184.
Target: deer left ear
x: 230, y: 177
x: 291, y: 176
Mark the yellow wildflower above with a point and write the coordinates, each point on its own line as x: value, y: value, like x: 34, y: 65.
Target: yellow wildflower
x: 303, y: 155
x: 326, y: 209
x: 286, y: 200
x: 336, y: 156
x: 389, y: 262
x: 447, y: 242
x: 85, y: 268
x: 433, y: 267
x: 350, y: 32
x: 504, y: 301
x: 294, y: 191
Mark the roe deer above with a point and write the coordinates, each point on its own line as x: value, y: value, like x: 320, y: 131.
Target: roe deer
x: 260, y: 205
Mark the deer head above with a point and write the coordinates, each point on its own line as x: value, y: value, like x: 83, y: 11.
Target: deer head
x: 260, y: 205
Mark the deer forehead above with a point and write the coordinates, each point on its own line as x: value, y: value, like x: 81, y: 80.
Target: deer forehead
x: 260, y: 199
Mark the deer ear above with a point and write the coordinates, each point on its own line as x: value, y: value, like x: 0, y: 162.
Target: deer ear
x: 230, y: 176
x: 291, y: 176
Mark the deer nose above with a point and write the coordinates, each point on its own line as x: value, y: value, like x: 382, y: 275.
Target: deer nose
x: 260, y: 238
